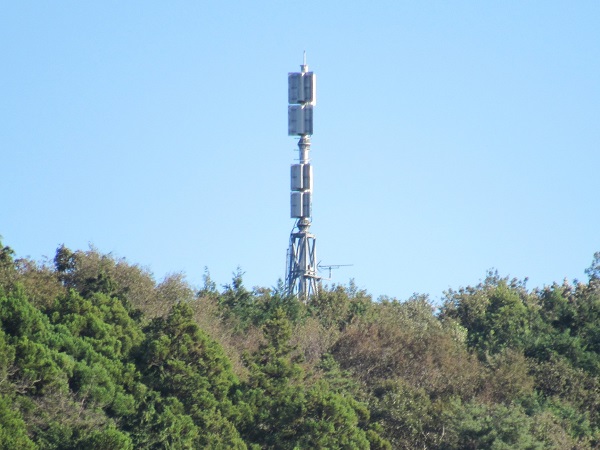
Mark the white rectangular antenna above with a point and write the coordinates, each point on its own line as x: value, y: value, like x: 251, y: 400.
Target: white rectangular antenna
x: 294, y: 88
x: 309, y: 84
x: 296, y: 205
x: 302, y: 88
x: 307, y: 177
x: 306, y: 204
x: 297, y: 177
x: 300, y: 120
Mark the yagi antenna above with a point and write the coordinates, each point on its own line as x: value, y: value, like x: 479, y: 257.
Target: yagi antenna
x: 322, y: 267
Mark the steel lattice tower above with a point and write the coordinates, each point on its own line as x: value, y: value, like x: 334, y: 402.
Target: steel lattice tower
x: 301, y: 272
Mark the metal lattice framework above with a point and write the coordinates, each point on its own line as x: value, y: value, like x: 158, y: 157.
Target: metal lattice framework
x: 302, y: 279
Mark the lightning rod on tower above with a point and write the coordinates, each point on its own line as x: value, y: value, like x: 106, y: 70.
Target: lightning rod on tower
x: 301, y: 272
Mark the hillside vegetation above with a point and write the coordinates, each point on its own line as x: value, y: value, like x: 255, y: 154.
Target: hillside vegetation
x: 96, y: 354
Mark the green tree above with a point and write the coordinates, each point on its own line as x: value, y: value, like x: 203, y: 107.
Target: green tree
x: 473, y: 426
x: 109, y: 438
x: 495, y: 313
x: 179, y: 360
x: 289, y: 411
x: 406, y: 340
x: 13, y: 432
x: 409, y: 418
x: 8, y: 271
x: 593, y: 272
x: 161, y: 423
x: 339, y: 306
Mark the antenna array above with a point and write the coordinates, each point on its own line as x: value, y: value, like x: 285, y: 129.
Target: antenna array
x: 301, y: 273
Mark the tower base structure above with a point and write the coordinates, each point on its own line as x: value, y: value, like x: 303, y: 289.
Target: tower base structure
x: 302, y: 279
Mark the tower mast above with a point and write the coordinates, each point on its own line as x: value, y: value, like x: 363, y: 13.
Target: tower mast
x: 301, y: 272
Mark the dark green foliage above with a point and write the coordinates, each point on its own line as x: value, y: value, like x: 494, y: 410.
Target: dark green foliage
x: 286, y: 413
x: 244, y: 309
x: 339, y: 307
x: 473, y: 426
x: 95, y: 354
x: 109, y: 438
x: 495, y: 314
x: 177, y: 350
x: 408, y: 415
x: 594, y: 270
x: 180, y: 361
x: 8, y: 272
x: 162, y: 423
x: 13, y: 431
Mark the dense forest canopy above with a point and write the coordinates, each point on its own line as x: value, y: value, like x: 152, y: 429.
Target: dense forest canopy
x: 95, y: 353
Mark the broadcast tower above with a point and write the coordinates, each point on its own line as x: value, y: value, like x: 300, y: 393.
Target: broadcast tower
x: 301, y: 272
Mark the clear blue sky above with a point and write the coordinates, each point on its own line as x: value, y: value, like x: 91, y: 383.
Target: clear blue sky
x: 450, y: 137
